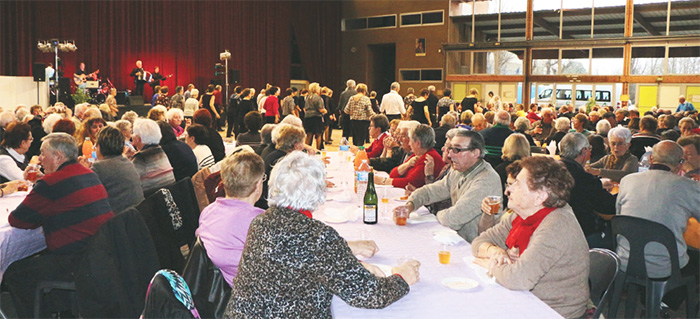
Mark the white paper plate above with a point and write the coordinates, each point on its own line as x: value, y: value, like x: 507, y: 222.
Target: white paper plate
x: 460, y: 283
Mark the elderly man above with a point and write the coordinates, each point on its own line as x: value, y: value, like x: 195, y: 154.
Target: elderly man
x: 543, y: 128
x: 392, y: 103
x: 621, y: 117
x: 150, y: 161
x: 470, y: 180
x: 71, y: 204
x: 684, y: 106
x: 495, y: 136
x: 344, y: 98
x: 588, y: 197
x: 662, y: 196
x: 447, y: 122
x: 393, y: 157
x: 479, y: 122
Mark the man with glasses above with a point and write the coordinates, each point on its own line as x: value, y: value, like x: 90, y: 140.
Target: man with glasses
x: 588, y: 197
x: 468, y: 182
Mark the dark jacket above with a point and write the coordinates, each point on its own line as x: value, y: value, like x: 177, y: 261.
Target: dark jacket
x: 588, y: 197
x: 388, y: 163
x: 441, y: 137
x: 113, y: 278
x: 494, y: 137
x: 181, y: 158
x: 216, y: 144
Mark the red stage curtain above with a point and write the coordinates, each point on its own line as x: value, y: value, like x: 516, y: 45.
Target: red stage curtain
x: 184, y: 38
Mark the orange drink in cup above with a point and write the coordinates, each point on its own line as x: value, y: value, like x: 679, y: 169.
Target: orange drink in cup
x: 444, y: 256
x: 400, y: 215
x: 385, y: 197
x: 495, y: 203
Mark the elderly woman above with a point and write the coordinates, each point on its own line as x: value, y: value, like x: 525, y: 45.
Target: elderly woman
x: 562, y: 127
x: 686, y: 125
x: 174, y: 117
x: 620, y: 162
x: 422, y: 140
x: 191, y: 104
x: 522, y: 126
x: 360, y: 109
x: 223, y: 225
x: 266, y: 147
x: 196, y: 137
x: 150, y: 161
x: 292, y: 264
x: 314, y: 109
x: 15, y: 143
x: 180, y: 155
x: 540, y: 248
x: 66, y: 126
x: 117, y: 173
x: 603, y: 127
x: 579, y: 122
x: 515, y: 148
x: 430, y: 178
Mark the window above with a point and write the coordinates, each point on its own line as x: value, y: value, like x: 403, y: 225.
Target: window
x: 421, y: 75
x: 422, y: 18
x: 647, y: 60
x: 484, y: 63
x: 575, y: 61
x: 607, y: 61
x: 684, y: 60
x: 386, y: 21
x: 458, y: 62
x: 545, y: 62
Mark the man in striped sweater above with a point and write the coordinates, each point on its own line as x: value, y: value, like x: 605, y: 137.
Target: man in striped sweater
x: 71, y: 204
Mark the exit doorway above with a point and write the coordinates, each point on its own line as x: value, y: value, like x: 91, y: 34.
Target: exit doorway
x: 381, y: 67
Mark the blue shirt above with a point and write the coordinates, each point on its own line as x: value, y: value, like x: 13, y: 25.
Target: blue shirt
x: 684, y: 107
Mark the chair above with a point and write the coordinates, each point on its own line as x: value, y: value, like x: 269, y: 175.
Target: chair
x: 113, y: 272
x: 172, y: 216
x: 209, y: 289
x: 605, y: 265
x: 640, y: 232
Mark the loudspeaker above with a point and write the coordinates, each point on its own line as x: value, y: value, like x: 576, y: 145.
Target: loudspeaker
x: 121, y: 98
x: 64, y: 84
x: 135, y: 100
x: 234, y: 76
x: 39, y: 72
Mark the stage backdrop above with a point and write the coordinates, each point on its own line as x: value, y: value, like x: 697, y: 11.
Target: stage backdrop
x: 184, y: 38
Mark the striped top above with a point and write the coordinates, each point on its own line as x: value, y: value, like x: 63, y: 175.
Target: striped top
x: 71, y: 204
x: 154, y: 168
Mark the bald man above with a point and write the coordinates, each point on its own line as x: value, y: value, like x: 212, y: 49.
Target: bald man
x: 662, y: 196
x: 495, y: 136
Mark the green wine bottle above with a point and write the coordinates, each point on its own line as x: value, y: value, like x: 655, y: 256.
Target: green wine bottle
x: 369, y: 207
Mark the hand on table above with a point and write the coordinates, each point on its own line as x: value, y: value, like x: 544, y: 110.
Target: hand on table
x: 373, y: 269
x: 329, y: 184
x: 364, y: 248
x: 409, y: 189
x: 408, y: 271
x: 13, y: 186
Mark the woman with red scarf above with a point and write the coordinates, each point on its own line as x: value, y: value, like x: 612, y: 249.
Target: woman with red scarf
x: 541, y: 247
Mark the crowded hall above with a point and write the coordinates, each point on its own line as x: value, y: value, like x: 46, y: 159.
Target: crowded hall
x: 350, y: 159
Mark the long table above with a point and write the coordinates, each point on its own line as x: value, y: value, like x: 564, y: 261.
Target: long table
x: 428, y: 298
x: 15, y: 243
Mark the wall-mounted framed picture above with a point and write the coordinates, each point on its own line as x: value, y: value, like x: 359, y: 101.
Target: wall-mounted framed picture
x: 420, y: 46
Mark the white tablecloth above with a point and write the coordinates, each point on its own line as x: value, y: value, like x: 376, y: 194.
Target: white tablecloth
x: 15, y: 243
x: 428, y: 298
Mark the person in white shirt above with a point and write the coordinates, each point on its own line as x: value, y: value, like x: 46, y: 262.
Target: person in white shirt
x: 15, y: 142
x: 196, y: 137
x: 392, y: 103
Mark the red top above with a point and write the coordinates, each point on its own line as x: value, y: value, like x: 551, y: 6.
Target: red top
x: 533, y: 117
x: 271, y: 106
x: 377, y: 147
x: 416, y: 174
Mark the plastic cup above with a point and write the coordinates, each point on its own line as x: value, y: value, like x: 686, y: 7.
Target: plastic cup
x: 444, y: 256
x: 495, y: 203
x: 385, y: 198
x: 400, y: 215
x: 32, y: 173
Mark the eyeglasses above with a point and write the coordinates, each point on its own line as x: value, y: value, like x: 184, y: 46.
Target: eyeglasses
x: 618, y: 143
x: 458, y: 150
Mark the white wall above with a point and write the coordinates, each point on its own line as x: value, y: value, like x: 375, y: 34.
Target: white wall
x: 15, y: 90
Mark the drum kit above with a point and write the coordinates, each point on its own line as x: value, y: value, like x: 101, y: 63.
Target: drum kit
x: 99, y: 90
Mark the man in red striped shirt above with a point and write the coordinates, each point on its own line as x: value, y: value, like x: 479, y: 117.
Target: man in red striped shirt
x: 71, y: 204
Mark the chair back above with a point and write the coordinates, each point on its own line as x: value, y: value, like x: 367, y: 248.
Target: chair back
x: 209, y: 289
x: 169, y: 297
x: 604, y: 267
x: 116, y: 267
x: 640, y: 232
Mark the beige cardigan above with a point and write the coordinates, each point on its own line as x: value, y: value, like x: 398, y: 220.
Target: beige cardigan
x: 554, y: 266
